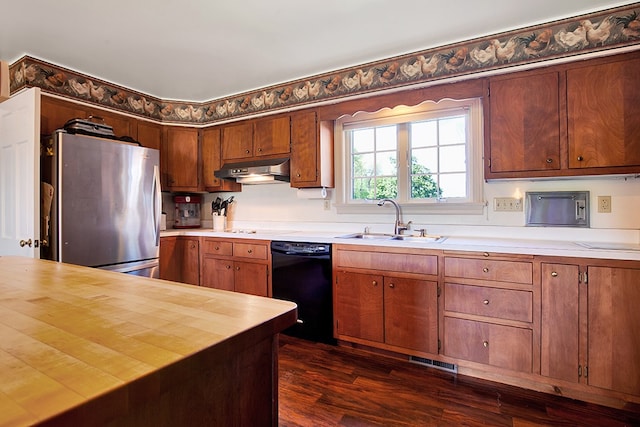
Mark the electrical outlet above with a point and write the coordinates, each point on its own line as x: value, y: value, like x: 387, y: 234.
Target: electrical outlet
x: 327, y: 205
x: 507, y: 204
x: 604, y: 204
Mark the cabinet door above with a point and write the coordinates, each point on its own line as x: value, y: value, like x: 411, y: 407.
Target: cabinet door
x: 211, y: 162
x: 170, y: 262
x: 54, y: 113
x: 182, y: 159
x: 237, y: 142
x: 251, y: 278
x: 271, y: 136
x: 614, y: 319
x: 603, y: 115
x: 358, y: 302
x: 411, y: 314
x: 217, y: 273
x: 304, y: 148
x: 190, y: 260
x: 524, y: 123
x: 149, y: 134
x: 560, y: 322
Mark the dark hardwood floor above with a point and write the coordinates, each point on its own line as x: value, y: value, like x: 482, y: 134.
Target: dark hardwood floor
x: 323, y: 385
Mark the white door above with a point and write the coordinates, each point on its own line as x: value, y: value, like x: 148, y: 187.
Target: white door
x: 20, y: 174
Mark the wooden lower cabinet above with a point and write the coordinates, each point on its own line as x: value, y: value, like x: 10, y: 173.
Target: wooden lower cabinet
x: 488, y: 313
x: 238, y: 265
x: 589, y: 325
x: 374, y: 306
x: 180, y: 259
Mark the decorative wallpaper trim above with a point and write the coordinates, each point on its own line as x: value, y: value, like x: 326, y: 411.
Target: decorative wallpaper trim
x: 594, y: 32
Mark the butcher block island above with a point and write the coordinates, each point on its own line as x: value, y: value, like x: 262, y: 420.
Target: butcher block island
x: 81, y: 346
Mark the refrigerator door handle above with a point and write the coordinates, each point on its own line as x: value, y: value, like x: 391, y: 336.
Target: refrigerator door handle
x: 157, y: 202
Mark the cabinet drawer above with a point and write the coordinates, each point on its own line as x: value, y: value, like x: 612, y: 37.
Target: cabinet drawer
x: 389, y: 262
x: 496, y: 345
x: 492, y: 302
x: 485, y: 269
x: 216, y: 247
x: 250, y: 250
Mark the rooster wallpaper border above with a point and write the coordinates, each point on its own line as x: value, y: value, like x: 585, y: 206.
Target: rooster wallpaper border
x: 594, y: 32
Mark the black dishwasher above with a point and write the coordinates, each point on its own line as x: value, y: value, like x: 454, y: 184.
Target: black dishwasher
x: 302, y: 273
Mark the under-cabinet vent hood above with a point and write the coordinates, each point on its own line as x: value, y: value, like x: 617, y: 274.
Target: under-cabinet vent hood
x: 256, y: 171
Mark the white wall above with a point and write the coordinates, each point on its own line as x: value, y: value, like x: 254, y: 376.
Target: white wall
x: 278, y: 206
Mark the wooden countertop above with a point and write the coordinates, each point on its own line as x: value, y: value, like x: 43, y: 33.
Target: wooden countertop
x: 70, y: 334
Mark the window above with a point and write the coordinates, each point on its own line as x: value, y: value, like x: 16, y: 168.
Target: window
x: 425, y: 156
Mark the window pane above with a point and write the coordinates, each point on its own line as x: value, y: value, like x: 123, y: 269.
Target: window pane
x: 387, y: 187
x: 453, y: 130
x: 424, y: 134
x: 363, y: 165
x: 387, y: 163
x: 386, y: 138
x: 362, y: 140
x: 363, y: 188
x: 453, y: 158
x: 424, y: 160
x: 424, y: 187
x: 454, y: 185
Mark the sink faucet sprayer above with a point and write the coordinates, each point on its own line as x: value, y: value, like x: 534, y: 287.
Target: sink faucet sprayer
x: 398, y: 226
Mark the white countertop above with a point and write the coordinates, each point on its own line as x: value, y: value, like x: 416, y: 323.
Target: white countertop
x: 454, y: 243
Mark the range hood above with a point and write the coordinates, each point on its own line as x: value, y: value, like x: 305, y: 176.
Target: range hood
x: 256, y: 171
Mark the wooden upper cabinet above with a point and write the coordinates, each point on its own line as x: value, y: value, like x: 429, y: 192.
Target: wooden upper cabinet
x: 122, y: 125
x: 182, y: 153
x: 149, y: 134
x: 311, y: 151
x: 212, y: 161
x: 603, y: 103
x: 237, y: 142
x: 54, y: 113
x: 271, y: 136
x: 523, y: 123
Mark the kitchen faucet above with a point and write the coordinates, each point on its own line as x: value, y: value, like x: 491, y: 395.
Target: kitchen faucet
x: 398, y: 226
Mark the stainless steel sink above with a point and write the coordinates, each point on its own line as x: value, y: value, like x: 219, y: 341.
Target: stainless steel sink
x: 383, y: 236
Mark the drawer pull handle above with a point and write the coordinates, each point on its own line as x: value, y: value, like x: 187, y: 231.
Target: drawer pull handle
x: 485, y: 270
x: 485, y: 254
x: 485, y: 302
x: 374, y: 283
x: 485, y: 343
x: 249, y: 251
x: 554, y: 274
x: 391, y: 285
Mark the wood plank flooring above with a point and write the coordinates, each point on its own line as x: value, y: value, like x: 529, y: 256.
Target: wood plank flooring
x: 322, y: 385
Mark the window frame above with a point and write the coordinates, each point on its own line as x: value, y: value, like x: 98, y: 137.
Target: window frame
x: 474, y: 204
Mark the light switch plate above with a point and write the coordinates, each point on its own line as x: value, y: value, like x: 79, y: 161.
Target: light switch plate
x: 507, y: 204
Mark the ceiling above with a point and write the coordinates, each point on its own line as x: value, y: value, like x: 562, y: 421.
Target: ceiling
x: 201, y: 50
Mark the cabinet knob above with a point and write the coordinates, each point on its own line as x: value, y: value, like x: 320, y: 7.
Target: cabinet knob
x: 554, y: 274
x: 485, y: 302
x: 391, y: 285
x: 259, y: 150
x: 247, y: 151
x: 249, y: 251
x: 485, y: 254
x: 217, y: 248
x: 237, y: 268
x: 374, y: 283
x: 580, y: 158
x: 228, y: 266
x: 549, y: 160
x: 298, y: 175
x: 485, y: 343
x: 485, y: 270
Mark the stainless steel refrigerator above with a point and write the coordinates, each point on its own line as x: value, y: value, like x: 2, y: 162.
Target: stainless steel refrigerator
x: 105, y: 204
